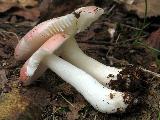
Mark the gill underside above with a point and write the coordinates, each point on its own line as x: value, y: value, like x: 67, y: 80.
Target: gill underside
x: 65, y: 24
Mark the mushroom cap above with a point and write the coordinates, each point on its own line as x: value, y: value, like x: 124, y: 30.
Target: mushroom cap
x: 32, y: 41
x: 33, y: 64
x: 48, y: 36
x: 86, y: 16
x: 90, y: 9
x: 45, y: 30
x: 36, y: 37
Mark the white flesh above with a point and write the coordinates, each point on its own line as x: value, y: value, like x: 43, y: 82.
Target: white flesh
x: 73, y: 54
x: 96, y: 94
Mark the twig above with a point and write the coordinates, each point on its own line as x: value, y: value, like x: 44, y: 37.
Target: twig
x: 151, y: 72
x: 95, y: 117
x: 145, y: 70
x: 66, y: 100
x: 131, y: 27
x: 148, y: 71
x: 118, y: 37
x: 110, y: 10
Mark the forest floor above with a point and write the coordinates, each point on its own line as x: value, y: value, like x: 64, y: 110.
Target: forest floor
x: 50, y: 97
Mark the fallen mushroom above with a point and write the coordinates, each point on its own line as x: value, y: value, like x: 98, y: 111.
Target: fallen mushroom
x: 100, y: 97
x: 69, y: 25
x: 47, y: 38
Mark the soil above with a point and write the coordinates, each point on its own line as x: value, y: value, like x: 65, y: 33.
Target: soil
x: 51, y: 98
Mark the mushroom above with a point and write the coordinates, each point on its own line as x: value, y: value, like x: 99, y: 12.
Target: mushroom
x: 100, y: 97
x: 73, y: 54
x: 69, y: 25
x: 45, y: 42
x: 33, y: 67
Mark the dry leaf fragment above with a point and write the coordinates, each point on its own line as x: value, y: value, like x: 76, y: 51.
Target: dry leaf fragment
x: 139, y: 7
x: 44, y: 6
x: 7, y: 4
x: 78, y: 105
x: 25, y: 3
x: 73, y: 115
x: 29, y: 14
x: 154, y: 39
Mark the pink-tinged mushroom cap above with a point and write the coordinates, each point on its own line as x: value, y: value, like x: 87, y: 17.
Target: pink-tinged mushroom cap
x: 23, y: 73
x: 32, y: 41
x: 37, y: 37
x: 29, y: 68
x: 69, y: 24
x: 48, y: 36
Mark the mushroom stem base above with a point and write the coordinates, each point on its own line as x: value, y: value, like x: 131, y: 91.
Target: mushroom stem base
x: 100, y: 97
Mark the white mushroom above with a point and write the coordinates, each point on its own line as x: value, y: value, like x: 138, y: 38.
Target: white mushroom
x: 48, y: 38
x: 101, y: 98
x: 73, y: 54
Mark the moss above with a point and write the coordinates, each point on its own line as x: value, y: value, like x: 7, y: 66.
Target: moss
x: 12, y: 105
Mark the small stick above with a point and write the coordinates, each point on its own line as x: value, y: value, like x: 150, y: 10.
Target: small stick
x: 151, y: 72
x: 66, y: 100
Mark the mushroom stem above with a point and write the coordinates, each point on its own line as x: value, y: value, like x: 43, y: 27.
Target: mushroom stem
x: 100, y: 97
x: 73, y: 54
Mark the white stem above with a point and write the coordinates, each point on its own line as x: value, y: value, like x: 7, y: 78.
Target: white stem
x: 73, y: 54
x: 100, y: 97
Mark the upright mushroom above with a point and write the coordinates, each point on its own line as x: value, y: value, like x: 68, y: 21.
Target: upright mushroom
x: 51, y: 37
